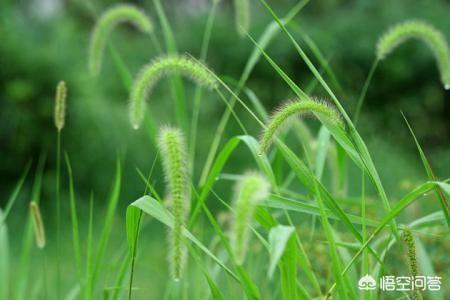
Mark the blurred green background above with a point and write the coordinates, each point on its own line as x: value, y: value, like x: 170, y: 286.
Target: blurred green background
x: 44, y: 41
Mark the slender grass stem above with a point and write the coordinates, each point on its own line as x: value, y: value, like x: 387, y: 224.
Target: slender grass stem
x: 198, y: 91
x: 363, y: 94
x: 58, y: 213
x: 133, y: 255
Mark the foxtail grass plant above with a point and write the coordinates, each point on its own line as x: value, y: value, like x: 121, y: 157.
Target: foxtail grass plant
x: 251, y: 189
x: 39, y: 231
x: 174, y: 157
x: 285, y: 113
x: 60, y: 105
x: 108, y: 20
x: 411, y: 256
x: 59, y: 119
x: 149, y: 75
x: 401, y: 33
x: 421, y: 31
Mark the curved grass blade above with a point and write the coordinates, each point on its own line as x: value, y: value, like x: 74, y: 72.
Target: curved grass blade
x: 27, y: 240
x: 153, y: 208
x: 355, y: 138
x: 261, y: 160
x: 439, y: 194
x: 108, y: 220
x: 14, y: 195
x: 397, y: 209
x: 176, y: 84
x: 74, y: 219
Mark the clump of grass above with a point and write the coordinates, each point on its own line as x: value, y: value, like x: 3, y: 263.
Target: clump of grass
x: 39, y: 231
x: 60, y: 105
x: 249, y: 191
x: 242, y: 16
x: 284, y: 114
x: 173, y: 152
x: 105, y: 24
x: 149, y: 75
x: 420, y: 30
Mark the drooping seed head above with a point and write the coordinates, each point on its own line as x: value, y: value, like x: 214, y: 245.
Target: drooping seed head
x: 249, y: 191
x: 60, y: 105
x: 123, y: 13
x: 39, y: 231
x: 424, y: 32
x: 291, y: 109
x: 242, y: 16
x: 173, y: 153
x: 149, y: 75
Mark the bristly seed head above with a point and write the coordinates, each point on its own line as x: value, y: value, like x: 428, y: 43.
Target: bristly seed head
x: 149, y: 75
x: 39, y: 231
x: 105, y: 24
x: 287, y: 111
x: 173, y: 153
x: 60, y: 105
x: 420, y: 30
x: 249, y: 191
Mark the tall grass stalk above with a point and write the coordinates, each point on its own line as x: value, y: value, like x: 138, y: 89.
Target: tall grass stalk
x: 198, y: 91
x: 59, y: 118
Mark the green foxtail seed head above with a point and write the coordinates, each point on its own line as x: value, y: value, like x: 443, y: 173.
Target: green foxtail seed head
x: 411, y: 248
x: 408, y: 238
x: 249, y: 191
x: 39, y: 231
x: 60, y: 105
x: 149, y: 75
x: 105, y: 24
x: 173, y: 153
x: 242, y: 16
x: 423, y: 32
x: 284, y: 114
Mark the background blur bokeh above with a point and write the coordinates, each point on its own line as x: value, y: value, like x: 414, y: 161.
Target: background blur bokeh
x: 44, y: 41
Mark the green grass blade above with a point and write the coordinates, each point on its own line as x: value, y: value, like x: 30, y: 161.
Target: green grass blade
x: 359, y: 144
x: 261, y: 161
x: 120, y: 280
x: 426, y: 268
x: 27, y: 240
x: 74, y: 219
x: 281, y: 202
x: 176, y: 84
x: 215, y: 291
x: 439, y: 194
x: 153, y: 208
x: 278, y: 239
x: 89, y: 256
x: 323, y: 142
x: 397, y: 209
x: 14, y: 195
x: 121, y: 68
x: 198, y: 91
x: 108, y: 221
x: 267, y: 36
x: 4, y: 260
